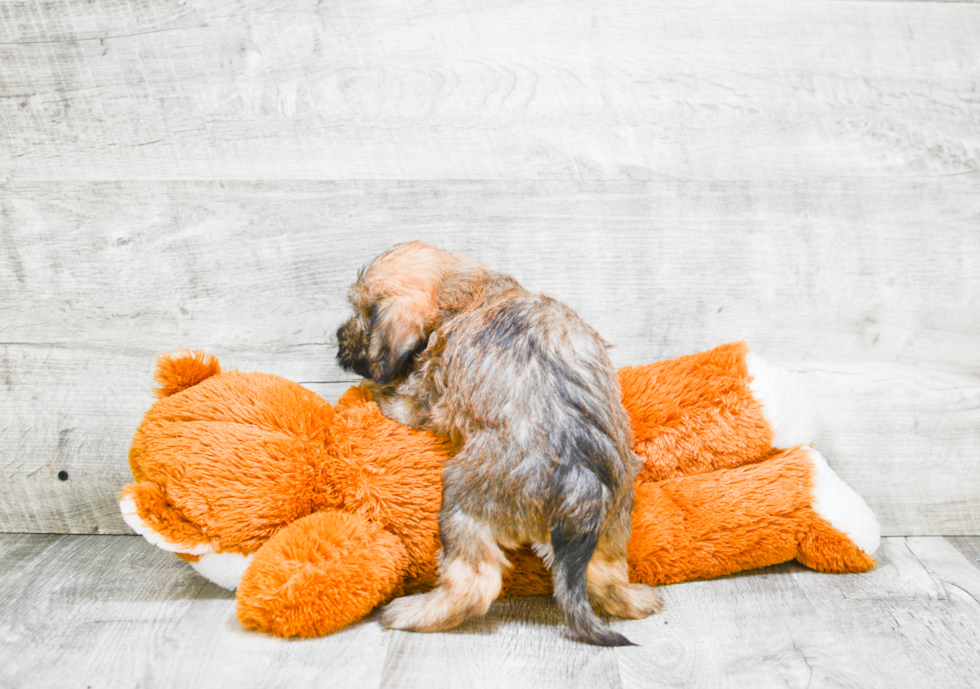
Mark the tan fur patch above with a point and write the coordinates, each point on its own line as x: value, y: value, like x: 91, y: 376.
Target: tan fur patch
x: 466, y: 589
x: 610, y: 588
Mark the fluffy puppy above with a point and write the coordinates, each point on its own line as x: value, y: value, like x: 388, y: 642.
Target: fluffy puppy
x: 527, y: 394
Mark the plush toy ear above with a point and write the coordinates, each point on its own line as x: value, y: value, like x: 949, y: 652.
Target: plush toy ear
x: 180, y: 371
x: 319, y: 574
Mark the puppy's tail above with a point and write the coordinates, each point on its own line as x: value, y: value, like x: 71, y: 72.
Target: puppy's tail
x: 574, y: 537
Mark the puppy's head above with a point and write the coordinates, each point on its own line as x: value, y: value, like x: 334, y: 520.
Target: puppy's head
x: 395, y: 302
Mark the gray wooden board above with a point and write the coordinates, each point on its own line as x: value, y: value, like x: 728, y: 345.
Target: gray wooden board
x: 806, y: 271
x: 79, y: 611
x: 969, y: 546
x: 835, y: 280
x: 112, y: 611
x: 223, y: 89
x: 907, y: 623
x: 75, y: 410
x: 209, y: 648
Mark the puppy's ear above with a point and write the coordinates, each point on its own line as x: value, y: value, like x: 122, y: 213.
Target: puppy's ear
x: 396, y: 336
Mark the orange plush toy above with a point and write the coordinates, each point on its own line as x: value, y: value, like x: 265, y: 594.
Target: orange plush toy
x: 319, y: 513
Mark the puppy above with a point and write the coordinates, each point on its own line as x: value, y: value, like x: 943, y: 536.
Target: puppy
x: 527, y: 394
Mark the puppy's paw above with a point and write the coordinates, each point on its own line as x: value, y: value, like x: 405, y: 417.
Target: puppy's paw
x: 634, y: 602
x: 416, y: 613
x: 401, y: 613
x: 644, y: 601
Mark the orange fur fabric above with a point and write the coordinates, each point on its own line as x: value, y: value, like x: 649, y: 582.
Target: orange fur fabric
x: 319, y: 513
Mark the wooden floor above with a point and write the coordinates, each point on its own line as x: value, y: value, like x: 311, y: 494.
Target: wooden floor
x: 112, y: 611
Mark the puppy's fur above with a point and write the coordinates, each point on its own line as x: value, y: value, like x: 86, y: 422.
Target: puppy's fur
x: 528, y: 396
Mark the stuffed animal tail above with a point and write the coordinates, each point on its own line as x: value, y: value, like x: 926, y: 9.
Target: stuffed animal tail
x: 177, y: 372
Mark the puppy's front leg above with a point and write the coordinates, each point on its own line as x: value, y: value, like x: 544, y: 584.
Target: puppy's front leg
x: 407, y: 401
x: 470, y: 570
x: 401, y: 408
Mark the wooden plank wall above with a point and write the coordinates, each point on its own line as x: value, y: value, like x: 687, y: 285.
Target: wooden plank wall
x: 804, y: 176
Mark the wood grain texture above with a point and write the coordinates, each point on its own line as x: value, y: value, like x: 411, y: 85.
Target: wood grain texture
x: 519, y: 643
x: 115, y: 612
x: 876, y: 271
x: 209, y: 648
x: 906, y: 439
x: 837, y: 281
x: 134, y: 89
x: 83, y: 611
x: 969, y: 546
x: 75, y: 410
x: 803, y: 176
x: 906, y: 623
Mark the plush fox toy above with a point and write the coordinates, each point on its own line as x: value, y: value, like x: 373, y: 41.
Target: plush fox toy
x: 316, y: 514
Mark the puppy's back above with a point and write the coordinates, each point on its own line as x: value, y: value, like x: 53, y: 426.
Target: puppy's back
x: 530, y: 358
x: 532, y: 389
x: 533, y: 384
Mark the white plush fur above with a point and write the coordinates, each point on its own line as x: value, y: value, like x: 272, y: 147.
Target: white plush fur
x: 132, y: 518
x: 837, y: 502
x: 224, y: 569
x: 786, y: 403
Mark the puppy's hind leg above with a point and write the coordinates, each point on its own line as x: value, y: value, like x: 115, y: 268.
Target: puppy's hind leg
x: 470, y: 569
x: 609, y: 584
x: 574, y: 536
